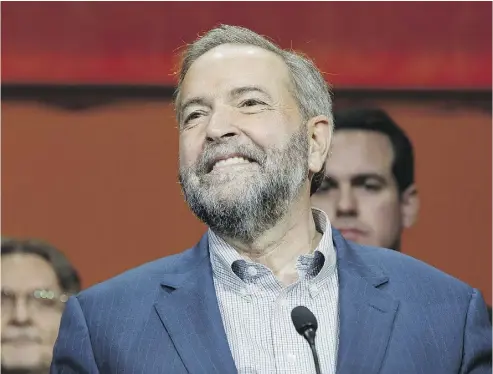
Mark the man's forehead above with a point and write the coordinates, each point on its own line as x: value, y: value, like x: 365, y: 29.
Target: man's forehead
x: 360, y: 152
x: 27, y: 271
x: 233, y: 65
x: 237, y: 53
x: 232, y: 50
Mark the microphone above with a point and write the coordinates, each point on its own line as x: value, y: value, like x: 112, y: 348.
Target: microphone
x: 306, y: 324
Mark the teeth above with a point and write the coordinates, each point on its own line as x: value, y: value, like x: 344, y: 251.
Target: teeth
x: 231, y: 161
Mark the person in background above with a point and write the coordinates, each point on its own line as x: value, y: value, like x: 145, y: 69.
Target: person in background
x: 369, y: 191
x: 37, y: 280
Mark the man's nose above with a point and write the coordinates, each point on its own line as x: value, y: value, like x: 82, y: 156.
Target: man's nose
x: 21, y: 314
x: 347, y: 205
x: 221, y: 125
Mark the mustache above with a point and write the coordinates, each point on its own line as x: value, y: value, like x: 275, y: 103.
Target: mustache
x: 212, y: 153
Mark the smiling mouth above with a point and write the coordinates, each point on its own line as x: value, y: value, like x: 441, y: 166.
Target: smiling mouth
x: 230, y: 162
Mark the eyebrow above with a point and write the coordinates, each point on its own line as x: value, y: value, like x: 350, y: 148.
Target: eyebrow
x: 246, y: 89
x: 45, y: 288
x: 359, y: 178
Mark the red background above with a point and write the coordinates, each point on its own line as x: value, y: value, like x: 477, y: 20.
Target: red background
x: 359, y: 44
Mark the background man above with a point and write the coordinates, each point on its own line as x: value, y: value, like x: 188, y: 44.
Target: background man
x: 369, y: 192
x: 37, y: 279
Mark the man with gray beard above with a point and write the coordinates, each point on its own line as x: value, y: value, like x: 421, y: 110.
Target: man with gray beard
x: 255, y: 127
x: 265, y: 199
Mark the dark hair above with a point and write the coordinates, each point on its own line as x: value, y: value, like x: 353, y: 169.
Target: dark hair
x: 68, y: 277
x: 372, y: 119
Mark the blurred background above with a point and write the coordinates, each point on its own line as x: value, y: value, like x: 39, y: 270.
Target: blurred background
x: 90, y: 145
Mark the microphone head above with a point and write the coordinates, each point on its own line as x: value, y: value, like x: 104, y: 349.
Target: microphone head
x: 303, y: 319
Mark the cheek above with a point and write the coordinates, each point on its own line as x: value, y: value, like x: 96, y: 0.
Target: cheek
x: 324, y: 202
x: 383, y: 214
x: 267, y: 129
x: 5, y: 320
x: 189, y: 150
x: 48, y: 327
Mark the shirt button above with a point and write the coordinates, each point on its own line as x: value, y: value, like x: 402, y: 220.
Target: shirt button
x: 252, y: 271
x: 291, y: 358
x: 313, y: 289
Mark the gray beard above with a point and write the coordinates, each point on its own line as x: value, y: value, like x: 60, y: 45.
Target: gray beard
x: 245, y: 210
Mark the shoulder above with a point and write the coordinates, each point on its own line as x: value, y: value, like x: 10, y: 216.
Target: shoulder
x: 144, y: 279
x: 411, y: 277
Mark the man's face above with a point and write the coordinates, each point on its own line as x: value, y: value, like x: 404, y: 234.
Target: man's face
x: 360, y: 194
x: 29, y: 325
x: 243, y: 147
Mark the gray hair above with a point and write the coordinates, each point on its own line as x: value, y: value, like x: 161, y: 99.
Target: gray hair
x: 311, y: 91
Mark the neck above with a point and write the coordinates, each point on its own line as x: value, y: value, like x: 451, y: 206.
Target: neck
x: 279, y: 247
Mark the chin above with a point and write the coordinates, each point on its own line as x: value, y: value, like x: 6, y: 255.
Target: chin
x: 217, y: 179
x: 21, y: 359
x: 227, y: 197
x: 229, y: 188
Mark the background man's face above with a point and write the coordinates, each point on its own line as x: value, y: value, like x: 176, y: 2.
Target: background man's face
x: 29, y: 325
x: 360, y: 194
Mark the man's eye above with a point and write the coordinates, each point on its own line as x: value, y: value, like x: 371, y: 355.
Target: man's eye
x: 192, y: 116
x: 372, y: 187
x: 7, y: 296
x: 251, y: 102
x: 327, y: 184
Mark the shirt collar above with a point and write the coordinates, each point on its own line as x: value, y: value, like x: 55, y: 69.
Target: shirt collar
x: 229, y: 266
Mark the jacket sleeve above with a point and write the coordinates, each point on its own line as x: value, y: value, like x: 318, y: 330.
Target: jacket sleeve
x: 73, y: 351
x: 476, y: 357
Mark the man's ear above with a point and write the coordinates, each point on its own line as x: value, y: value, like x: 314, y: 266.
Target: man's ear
x: 409, y: 206
x: 320, y: 132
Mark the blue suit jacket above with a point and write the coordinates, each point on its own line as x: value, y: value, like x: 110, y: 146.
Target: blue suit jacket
x: 397, y: 316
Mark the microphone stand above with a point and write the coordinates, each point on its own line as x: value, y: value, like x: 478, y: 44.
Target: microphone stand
x: 315, y: 358
x: 309, y: 335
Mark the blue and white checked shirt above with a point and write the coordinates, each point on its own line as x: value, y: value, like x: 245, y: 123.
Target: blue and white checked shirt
x: 256, y: 308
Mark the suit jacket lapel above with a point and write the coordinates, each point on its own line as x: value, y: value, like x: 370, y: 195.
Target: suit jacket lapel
x: 188, y: 308
x: 366, y: 312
